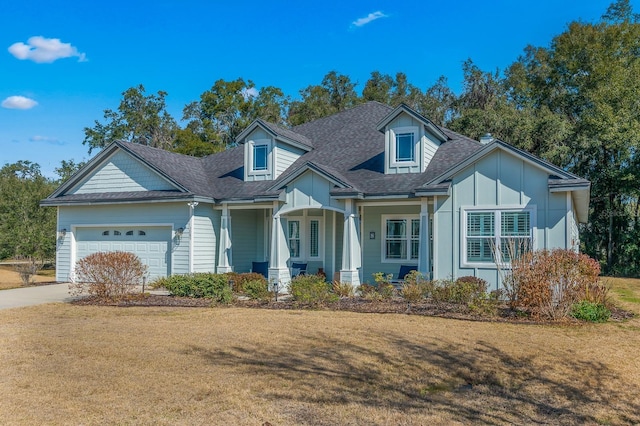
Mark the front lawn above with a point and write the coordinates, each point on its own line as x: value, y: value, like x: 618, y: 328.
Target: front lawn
x: 70, y: 364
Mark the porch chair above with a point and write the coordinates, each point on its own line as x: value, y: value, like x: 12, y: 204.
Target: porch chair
x: 404, y: 271
x: 298, y: 269
x: 260, y: 268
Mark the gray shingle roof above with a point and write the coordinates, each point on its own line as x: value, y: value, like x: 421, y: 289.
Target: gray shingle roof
x: 346, y: 145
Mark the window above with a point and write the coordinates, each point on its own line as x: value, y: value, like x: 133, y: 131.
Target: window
x: 488, y: 233
x: 142, y: 233
x: 129, y: 233
x: 116, y: 232
x: 105, y: 233
x: 405, y: 147
x: 401, y: 239
x: 260, y: 157
x: 314, y: 238
x: 294, y: 238
x: 305, y: 238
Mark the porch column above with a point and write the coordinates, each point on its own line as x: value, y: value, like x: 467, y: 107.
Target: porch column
x: 225, y: 258
x: 278, y: 270
x: 423, y: 252
x: 351, y: 251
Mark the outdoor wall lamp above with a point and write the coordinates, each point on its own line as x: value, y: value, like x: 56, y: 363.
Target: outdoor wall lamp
x: 372, y: 235
x: 62, y: 233
x: 179, y: 232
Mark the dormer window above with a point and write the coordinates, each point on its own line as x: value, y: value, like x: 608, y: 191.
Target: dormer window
x: 260, y: 153
x: 405, y: 147
x: 259, y: 159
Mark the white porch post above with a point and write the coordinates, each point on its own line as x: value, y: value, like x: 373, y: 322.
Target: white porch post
x: 278, y: 270
x: 192, y: 235
x: 351, y: 251
x: 423, y: 254
x: 225, y: 258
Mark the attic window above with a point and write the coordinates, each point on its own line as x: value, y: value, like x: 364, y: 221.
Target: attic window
x: 260, y: 157
x: 405, y: 147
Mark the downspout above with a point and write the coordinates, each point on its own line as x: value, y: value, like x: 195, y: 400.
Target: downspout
x: 192, y: 206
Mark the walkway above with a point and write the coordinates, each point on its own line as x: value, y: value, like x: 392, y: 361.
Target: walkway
x: 28, y: 296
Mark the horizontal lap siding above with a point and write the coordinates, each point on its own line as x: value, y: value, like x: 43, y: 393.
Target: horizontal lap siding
x: 244, y: 231
x: 372, y: 249
x: 204, y: 245
x: 122, y: 173
x: 130, y: 214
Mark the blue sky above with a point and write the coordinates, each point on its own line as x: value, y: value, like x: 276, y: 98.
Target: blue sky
x: 63, y: 62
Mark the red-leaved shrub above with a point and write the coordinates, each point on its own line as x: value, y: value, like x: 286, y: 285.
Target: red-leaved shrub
x: 108, y: 275
x: 548, y: 283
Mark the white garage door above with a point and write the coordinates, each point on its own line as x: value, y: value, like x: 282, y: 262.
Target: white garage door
x: 152, y: 244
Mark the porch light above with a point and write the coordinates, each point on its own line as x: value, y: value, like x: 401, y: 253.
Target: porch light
x: 179, y: 232
x: 372, y: 235
x: 62, y: 233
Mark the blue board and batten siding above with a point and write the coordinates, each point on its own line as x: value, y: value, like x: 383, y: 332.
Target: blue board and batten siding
x: 499, y: 180
x: 121, y: 172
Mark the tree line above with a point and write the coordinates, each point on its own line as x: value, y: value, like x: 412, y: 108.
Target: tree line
x: 575, y: 103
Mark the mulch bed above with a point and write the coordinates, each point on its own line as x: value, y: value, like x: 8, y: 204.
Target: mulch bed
x: 354, y: 304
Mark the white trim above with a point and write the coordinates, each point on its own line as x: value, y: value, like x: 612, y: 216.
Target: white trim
x: 383, y: 237
x: 250, y: 145
x: 393, y: 133
x: 497, y: 229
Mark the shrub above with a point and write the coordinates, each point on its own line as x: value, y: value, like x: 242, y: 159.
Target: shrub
x: 464, y: 290
x: 239, y: 280
x: 589, y: 311
x: 27, y: 267
x: 213, y: 286
x: 366, y: 290
x: 108, y: 275
x: 548, y: 283
x: 412, y: 292
x: 257, y: 289
x: 311, y: 289
x: 342, y: 289
x: 385, y: 291
x: 486, y: 304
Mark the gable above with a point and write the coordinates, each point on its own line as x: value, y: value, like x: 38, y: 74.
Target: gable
x: 311, y: 190
x: 121, y: 172
x: 425, y: 144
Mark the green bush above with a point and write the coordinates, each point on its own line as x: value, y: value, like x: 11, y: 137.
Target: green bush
x: 311, y: 289
x: 213, y: 286
x: 257, y: 289
x: 366, y: 291
x: 589, y: 311
x: 464, y: 290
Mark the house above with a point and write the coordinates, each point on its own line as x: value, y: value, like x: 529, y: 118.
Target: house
x: 365, y: 190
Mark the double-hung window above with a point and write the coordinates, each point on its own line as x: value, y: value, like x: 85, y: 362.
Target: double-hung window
x: 305, y: 238
x: 496, y: 236
x: 401, y: 239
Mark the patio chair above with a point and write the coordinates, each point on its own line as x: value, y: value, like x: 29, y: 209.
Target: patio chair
x: 298, y: 269
x: 260, y: 268
x: 404, y: 271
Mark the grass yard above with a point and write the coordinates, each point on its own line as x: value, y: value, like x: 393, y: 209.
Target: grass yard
x: 10, y: 279
x: 65, y: 364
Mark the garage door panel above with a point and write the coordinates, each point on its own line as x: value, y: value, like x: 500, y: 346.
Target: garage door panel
x: 151, y: 244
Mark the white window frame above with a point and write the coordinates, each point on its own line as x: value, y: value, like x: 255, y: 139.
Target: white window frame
x: 250, y: 160
x: 409, y: 238
x: 394, y: 132
x: 497, y: 224
x: 305, y: 237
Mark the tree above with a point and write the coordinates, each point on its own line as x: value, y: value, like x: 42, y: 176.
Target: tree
x: 67, y: 169
x: 225, y: 110
x: 26, y: 229
x: 140, y: 119
x: 336, y: 93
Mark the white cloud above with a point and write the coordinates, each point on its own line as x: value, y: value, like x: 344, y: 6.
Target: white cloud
x: 45, y: 50
x: 250, y: 93
x: 18, y: 102
x: 369, y: 18
x: 46, y: 139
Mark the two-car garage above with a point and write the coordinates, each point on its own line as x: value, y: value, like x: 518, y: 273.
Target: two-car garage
x: 152, y: 244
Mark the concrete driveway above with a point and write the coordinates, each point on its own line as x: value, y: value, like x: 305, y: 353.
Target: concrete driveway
x: 18, y: 297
